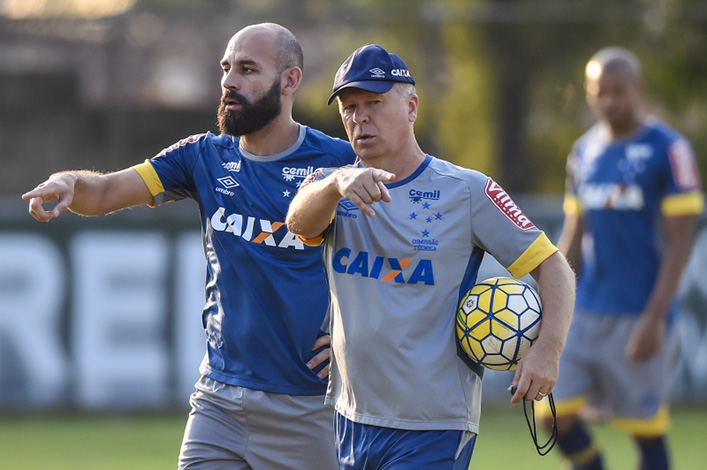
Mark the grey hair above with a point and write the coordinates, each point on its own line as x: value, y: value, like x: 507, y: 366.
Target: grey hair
x: 405, y: 90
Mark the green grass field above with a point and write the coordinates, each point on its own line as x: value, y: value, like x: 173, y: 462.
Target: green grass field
x: 504, y: 443
x: 151, y: 442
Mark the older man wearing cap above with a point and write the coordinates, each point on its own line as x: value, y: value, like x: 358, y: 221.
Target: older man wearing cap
x: 404, y: 234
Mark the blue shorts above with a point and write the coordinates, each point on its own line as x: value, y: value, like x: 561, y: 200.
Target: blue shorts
x: 367, y: 447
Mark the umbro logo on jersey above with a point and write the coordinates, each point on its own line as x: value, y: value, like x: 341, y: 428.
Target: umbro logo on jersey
x: 346, y: 208
x: 377, y: 73
x: 505, y: 204
x: 347, y: 205
x: 228, y: 182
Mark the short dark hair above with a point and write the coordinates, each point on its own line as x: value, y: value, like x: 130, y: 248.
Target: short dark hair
x: 614, y: 58
x: 290, y: 51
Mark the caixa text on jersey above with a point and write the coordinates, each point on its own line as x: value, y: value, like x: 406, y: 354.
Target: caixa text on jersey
x: 383, y: 268
x: 254, y: 230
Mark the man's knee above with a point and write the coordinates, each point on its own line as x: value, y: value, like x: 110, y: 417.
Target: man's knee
x: 564, y: 423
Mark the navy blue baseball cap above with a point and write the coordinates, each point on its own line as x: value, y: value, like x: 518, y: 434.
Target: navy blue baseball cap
x: 371, y: 68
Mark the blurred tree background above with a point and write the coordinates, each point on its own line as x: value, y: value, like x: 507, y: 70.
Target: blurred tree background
x: 105, y: 84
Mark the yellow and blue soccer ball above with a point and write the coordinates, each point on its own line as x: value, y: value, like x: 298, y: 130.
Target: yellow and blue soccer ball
x: 497, y: 321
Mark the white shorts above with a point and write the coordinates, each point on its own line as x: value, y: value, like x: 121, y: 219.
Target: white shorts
x: 237, y: 428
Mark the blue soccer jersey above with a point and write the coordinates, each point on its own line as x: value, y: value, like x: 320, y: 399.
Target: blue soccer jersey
x: 266, y: 295
x: 622, y: 188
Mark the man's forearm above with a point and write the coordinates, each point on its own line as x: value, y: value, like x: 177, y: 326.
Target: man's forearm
x: 312, y: 208
x: 556, y: 284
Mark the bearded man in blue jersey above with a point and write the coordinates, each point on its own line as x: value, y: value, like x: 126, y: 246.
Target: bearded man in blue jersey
x: 629, y: 178
x: 259, y: 402
x: 405, y: 397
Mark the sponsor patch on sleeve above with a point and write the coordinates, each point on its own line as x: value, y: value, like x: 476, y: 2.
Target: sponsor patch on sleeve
x: 505, y: 204
x: 312, y: 177
x: 188, y: 140
x: 683, y: 166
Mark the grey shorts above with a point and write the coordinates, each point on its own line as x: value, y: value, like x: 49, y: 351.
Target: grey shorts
x: 593, y: 368
x: 237, y: 428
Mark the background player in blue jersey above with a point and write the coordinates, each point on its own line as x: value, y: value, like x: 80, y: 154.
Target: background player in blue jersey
x: 259, y: 403
x: 629, y: 179
x: 407, y: 237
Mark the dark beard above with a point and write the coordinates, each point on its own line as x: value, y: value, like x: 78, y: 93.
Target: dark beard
x: 252, y: 116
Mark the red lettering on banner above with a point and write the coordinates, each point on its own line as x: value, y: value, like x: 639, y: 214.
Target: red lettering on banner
x: 505, y: 204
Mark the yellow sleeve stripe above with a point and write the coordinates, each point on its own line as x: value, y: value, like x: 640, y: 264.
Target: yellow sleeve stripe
x: 692, y: 203
x: 571, y: 205
x: 149, y: 175
x: 655, y: 426
x: 316, y: 241
x: 536, y: 253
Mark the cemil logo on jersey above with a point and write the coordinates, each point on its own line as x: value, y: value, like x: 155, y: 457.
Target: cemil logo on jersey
x: 505, y: 204
x: 383, y: 268
x: 636, y: 157
x: 232, y: 166
x: 290, y: 173
x: 636, y: 152
x: 417, y: 196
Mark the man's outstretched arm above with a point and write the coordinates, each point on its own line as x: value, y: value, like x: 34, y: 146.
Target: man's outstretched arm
x: 312, y: 208
x: 87, y: 193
